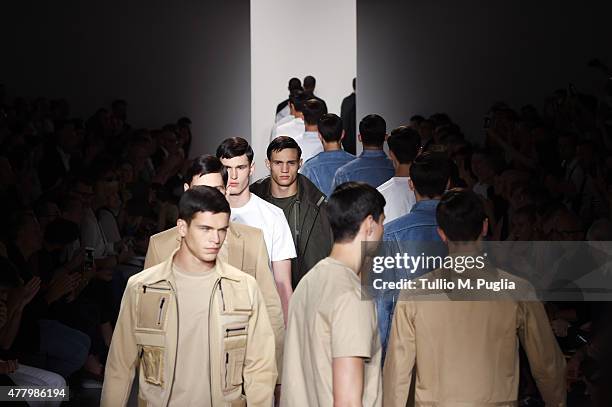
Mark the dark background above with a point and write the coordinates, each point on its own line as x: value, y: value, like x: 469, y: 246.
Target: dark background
x: 423, y: 57
x: 167, y: 59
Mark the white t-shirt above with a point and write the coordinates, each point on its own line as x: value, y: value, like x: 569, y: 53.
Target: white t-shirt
x: 279, y: 123
x: 292, y: 128
x: 271, y: 220
x: 400, y: 198
x: 309, y: 143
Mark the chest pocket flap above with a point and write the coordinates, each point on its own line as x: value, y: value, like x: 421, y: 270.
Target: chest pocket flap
x: 152, y: 308
x: 238, y: 299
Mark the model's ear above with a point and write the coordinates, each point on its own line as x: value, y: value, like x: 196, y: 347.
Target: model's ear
x: 185, y: 187
x: 182, y: 227
x: 267, y: 164
x: 252, y: 169
x: 485, y: 227
x: 442, y: 235
x: 300, y: 163
x: 411, y: 184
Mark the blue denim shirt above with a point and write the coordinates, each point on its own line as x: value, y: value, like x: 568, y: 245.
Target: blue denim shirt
x: 372, y: 166
x: 417, y: 226
x: 321, y: 168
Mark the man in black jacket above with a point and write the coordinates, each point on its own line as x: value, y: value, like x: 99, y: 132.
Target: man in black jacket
x: 303, y: 204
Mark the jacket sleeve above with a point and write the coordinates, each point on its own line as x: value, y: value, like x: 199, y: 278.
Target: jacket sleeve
x: 401, y: 355
x: 152, y: 257
x: 265, y: 281
x: 122, y: 356
x: 259, y: 373
x: 545, y: 358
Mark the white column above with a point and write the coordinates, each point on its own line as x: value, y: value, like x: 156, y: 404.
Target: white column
x: 298, y: 38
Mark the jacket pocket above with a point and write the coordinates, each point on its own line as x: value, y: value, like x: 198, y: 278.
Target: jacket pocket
x: 234, y: 352
x: 152, y: 308
x: 152, y: 364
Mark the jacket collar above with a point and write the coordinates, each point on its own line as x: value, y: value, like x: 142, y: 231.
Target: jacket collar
x: 426, y: 205
x: 307, y: 191
x: 373, y: 153
x: 163, y: 272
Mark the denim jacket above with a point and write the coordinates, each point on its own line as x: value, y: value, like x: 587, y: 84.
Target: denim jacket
x: 402, y: 236
x: 372, y: 166
x: 321, y: 168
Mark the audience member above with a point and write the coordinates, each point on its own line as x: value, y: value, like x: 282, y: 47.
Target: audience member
x: 348, y: 112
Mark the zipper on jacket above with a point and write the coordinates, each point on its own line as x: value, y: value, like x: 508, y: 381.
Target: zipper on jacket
x: 222, y: 297
x: 161, y: 308
x: 226, y: 367
x: 228, y: 330
x: 144, y: 288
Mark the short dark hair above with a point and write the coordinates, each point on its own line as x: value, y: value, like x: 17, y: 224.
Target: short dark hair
x: 282, y: 142
x: 330, y: 127
x: 310, y: 82
x: 294, y: 83
x: 417, y: 118
x: 313, y: 110
x: 183, y: 122
x: 235, y: 147
x: 297, y: 99
x: 373, y: 129
x: 460, y: 214
x: 404, y: 142
x: 349, y: 205
x: 201, y: 199
x: 429, y: 173
x: 205, y: 164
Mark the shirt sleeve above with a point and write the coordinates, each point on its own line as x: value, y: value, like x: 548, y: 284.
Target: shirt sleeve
x: 283, y: 247
x: 353, y: 327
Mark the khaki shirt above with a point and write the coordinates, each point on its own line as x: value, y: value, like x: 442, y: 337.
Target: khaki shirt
x: 244, y: 248
x: 466, y: 352
x: 328, y: 319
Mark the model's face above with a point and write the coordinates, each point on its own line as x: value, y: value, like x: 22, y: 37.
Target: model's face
x: 238, y: 170
x: 284, y: 166
x: 213, y: 180
x: 205, y: 234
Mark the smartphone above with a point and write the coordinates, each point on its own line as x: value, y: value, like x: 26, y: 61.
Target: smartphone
x: 89, y: 258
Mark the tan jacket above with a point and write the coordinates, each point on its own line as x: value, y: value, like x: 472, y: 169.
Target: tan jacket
x: 466, y: 353
x: 246, y: 250
x: 240, y: 338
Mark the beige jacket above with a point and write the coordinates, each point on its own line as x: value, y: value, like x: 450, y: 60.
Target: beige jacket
x: 240, y: 337
x: 466, y: 353
x: 246, y: 250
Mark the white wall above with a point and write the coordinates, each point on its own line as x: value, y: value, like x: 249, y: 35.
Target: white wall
x: 298, y: 38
